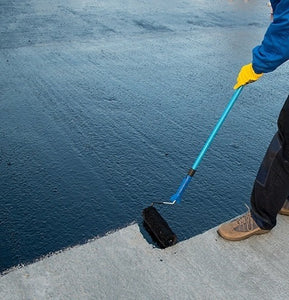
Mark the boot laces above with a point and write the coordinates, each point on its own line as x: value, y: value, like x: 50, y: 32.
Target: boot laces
x: 246, y: 222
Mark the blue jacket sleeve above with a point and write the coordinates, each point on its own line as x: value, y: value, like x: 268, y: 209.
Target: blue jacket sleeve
x: 274, y: 49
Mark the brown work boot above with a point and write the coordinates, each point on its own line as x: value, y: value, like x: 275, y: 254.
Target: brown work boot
x: 240, y: 228
x: 285, y: 208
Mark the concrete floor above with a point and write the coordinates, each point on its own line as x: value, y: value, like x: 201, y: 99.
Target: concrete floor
x: 122, y: 265
x: 143, y: 70
x: 104, y: 106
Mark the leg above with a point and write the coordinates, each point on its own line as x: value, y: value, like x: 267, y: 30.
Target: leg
x: 271, y: 186
x: 270, y: 189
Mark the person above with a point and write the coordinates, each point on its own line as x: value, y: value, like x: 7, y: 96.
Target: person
x: 271, y: 187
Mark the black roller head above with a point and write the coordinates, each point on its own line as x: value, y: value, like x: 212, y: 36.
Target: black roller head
x: 158, y: 228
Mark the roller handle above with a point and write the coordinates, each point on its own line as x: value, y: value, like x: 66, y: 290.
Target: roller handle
x: 177, y: 197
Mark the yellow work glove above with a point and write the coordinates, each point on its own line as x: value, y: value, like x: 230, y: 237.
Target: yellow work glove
x: 246, y: 75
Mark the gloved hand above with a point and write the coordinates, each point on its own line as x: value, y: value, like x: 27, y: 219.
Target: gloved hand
x: 246, y: 75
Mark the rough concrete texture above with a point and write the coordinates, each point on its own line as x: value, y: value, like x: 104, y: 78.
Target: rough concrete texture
x: 104, y: 105
x: 122, y: 265
x: 89, y: 85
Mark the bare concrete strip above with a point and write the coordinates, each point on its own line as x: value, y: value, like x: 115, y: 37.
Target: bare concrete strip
x: 122, y: 265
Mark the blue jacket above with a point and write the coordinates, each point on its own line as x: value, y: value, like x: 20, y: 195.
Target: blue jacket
x: 274, y: 49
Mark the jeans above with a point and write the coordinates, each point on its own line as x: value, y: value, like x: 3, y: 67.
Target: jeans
x: 271, y: 186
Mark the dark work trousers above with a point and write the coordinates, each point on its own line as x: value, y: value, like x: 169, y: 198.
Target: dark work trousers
x: 271, y: 186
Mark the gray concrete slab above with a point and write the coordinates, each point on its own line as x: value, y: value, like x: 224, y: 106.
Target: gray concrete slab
x: 122, y: 265
x: 104, y: 106
x: 56, y: 50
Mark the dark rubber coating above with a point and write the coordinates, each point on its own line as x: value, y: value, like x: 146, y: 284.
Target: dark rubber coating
x: 158, y: 228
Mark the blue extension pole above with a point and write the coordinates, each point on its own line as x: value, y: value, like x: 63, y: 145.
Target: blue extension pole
x: 177, y: 197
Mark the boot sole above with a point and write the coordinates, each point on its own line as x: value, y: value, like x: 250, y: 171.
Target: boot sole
x: 229, y: 238
x: 284, y: 213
